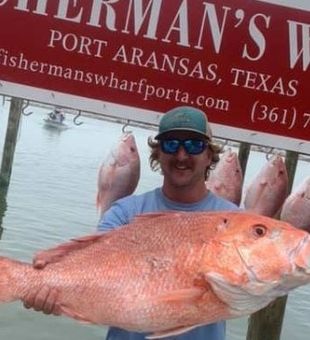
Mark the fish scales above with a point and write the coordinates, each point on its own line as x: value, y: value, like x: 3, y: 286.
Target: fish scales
x: 121, y: 248
x: 169, y: 271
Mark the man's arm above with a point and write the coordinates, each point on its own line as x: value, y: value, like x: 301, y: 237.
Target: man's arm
x: 116, y: 216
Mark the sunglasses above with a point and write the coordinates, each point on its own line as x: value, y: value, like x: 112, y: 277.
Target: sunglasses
x: 191, y: 146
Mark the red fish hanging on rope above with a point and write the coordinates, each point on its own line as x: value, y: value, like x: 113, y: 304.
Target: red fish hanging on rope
x: 268, y: 190
x: 296, y: 208
x: 227, y: 178
x: 119, y: 174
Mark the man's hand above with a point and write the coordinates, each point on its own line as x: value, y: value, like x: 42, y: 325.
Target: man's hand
x: 44, y: 300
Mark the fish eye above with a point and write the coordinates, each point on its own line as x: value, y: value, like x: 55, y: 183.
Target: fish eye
x: 259, y: 230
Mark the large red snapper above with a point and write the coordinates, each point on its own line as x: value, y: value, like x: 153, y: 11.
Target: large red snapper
x: 268, y: 190
x: 226, y: 179
x: 119, y: 174
x: 166, y: 273
x: 296, y: 208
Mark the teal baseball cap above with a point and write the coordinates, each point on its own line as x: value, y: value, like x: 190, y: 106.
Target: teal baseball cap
x: 184, y: 118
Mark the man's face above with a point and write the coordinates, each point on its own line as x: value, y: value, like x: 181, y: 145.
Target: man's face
x: 182, y: 169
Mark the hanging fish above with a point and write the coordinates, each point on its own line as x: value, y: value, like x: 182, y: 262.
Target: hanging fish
x: 268, y: 190
x: 296, y: 208
x: 119, y: 174
x: 226, y: 179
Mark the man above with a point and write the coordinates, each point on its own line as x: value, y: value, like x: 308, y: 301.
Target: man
x: 185, y: 153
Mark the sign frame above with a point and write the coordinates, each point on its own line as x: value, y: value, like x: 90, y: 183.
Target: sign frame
x: 182, y: 53
x: 147, y: 117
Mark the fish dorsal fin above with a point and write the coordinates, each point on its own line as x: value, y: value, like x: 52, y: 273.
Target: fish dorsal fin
x: 147, y: 216
x: 52, y: 255
x: 170, y: 332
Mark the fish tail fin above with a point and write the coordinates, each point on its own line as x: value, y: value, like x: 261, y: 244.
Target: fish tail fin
x: 98, y: 199
x: 103, y: 202
x: 7, y: 283
x: 98, y: 204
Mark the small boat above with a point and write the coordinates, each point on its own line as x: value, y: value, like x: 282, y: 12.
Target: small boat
x: 55, y: 119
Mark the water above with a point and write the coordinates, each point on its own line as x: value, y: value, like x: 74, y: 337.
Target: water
x: 51, y: 198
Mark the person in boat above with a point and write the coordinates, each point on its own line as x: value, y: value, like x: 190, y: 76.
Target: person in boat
x: 57, y: 115
x: 52, y: 115
x: 185, y: 153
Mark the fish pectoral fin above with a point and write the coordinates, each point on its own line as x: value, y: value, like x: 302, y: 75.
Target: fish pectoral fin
x: 75, y: 315
x: 170, y: 332
x: 182, y: 295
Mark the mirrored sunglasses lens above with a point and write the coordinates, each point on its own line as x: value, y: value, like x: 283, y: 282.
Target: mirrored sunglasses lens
x: 170, y: 145
x: 194, y: 146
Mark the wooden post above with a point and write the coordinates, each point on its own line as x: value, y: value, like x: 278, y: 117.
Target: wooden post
x: 243, y: 155
x: 267, y: 323
x: 10, y: 142
x: 8, y: 154
x: 291, y: 161
x: 3, y: 207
